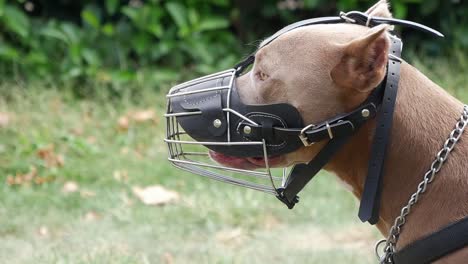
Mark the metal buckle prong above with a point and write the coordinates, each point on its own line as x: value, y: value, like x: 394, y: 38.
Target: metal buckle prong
x: 303, y: 136
x: 330, y: 132
x: 393, y: 57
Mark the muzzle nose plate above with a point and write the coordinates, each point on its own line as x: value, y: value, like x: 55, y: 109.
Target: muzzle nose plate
x: 210, y: 110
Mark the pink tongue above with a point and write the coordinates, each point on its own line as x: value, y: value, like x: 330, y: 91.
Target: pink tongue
x: 233, y: 162
x: 244, y: 163
x: 260, y: 161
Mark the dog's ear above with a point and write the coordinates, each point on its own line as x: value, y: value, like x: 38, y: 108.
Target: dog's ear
x: 363, y: 63
x: 380, y: 9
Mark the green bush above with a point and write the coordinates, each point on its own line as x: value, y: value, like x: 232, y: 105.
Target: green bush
x: 111, y: 42
x: 118, y: 42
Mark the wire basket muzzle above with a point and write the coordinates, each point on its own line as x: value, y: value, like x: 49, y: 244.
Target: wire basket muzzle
x: 207, y: 113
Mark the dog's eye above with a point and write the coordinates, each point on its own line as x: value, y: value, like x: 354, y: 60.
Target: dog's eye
x: 262, y: 76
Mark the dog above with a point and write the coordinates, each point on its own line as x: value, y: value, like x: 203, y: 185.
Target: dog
x: 327, y: 69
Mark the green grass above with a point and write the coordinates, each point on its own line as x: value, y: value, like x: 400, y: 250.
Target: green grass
x: 211, y: 223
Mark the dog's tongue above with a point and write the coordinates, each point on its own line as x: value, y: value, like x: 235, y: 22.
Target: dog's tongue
x: 242, y: 163
x: 259, y: 161
x: 233, y: 162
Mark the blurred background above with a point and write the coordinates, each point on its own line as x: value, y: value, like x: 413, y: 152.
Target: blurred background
x: 83, y: 175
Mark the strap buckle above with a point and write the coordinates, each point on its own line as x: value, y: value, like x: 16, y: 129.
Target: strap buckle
x: 290, y: 204
x: 303, y: 137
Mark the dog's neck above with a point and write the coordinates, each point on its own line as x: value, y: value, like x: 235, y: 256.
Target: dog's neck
x: 425, y: 115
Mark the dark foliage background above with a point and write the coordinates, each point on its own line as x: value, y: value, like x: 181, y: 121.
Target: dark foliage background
x: 115, y: 43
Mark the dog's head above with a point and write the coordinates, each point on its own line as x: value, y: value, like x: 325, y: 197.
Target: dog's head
x: 322, y: 70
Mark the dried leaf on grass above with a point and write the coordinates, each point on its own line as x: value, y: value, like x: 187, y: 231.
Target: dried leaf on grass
x: 143, y: 116
x: 168, y: 258
x: 77, y: 131
x: 51, y: 159
x: 91, y: 140
x: 155, y: 195
x: 124, y: 151
x: 5, y: 119
x: 43, y: 231
x: 138, y: 116
x: 28, y: 178
x: 123, y: 123
x: 270, y: 222
x: 70, y: 187
x: 230, y: 236
x: 91, y: 216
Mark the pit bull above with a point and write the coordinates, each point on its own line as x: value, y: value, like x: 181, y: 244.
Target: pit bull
x: 327, y: 69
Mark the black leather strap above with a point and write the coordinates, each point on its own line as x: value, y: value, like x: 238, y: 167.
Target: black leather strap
x: 354, y: 17
x: 291, y: 135
x: 436, y: 245
x: 371, y: 21
x: 244, y: 64
x: 340, y: 126
x: 301, y: 174
x: 370, y: 201
x: 359, y: 18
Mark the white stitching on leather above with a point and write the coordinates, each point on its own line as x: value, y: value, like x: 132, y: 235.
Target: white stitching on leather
x: 268, y: 116
x: 202, y: 100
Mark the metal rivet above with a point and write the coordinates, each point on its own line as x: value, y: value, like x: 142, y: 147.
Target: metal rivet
x: 247, y: 130
x: 217, y: 123
x: 365, y: 112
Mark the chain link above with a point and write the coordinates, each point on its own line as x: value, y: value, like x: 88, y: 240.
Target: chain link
x: 394, y: 233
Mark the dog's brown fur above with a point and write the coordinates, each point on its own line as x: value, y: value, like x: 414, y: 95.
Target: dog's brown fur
x: 324, y: 70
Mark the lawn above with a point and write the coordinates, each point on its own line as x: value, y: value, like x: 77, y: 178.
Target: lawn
x: 69, y: 168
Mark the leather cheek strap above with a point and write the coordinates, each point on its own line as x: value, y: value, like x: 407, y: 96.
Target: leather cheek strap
x: 370, y: 200
x: 337, y: 130
x: 342, y: 125
x: 301, y: 174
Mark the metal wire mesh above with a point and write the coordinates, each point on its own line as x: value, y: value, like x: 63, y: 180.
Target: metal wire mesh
x: 187, y: 154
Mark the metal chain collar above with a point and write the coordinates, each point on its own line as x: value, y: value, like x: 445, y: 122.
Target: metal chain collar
x: 392, y: 239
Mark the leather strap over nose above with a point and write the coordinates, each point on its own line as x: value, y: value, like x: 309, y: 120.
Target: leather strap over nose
x: 211, y: 123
